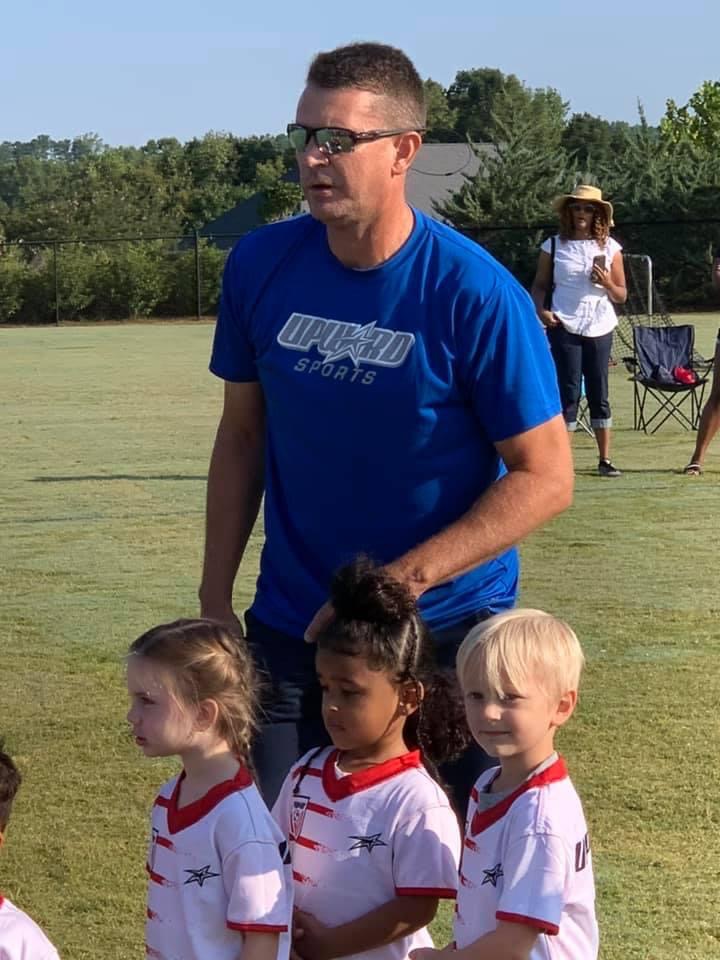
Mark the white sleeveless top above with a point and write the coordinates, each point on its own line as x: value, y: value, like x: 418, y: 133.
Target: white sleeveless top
x: 583, y: 307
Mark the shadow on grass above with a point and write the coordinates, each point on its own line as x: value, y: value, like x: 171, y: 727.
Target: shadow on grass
x: 119, y: 476
x: 592, y: 472
x: 85, y: 517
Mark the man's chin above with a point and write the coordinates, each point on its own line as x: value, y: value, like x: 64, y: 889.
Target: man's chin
x: 327, y: 213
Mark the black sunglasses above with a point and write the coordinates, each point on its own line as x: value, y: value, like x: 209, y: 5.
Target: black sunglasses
x: 332, y: 140
x: 583, y: 207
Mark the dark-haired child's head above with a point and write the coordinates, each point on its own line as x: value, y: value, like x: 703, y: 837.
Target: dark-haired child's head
x: 376, y: 666
x: 10, y: 780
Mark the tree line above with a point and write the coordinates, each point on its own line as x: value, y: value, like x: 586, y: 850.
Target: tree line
x: 83, y: 188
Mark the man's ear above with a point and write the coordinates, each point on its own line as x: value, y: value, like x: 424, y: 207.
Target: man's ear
x: 2, y: 837
x: 565, y: 706
x: 406, y: 151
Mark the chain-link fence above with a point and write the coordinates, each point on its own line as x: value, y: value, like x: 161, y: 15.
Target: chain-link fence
x: 115, y: 278
x: 111, y: 278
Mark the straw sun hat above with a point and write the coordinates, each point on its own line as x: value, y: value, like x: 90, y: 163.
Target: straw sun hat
x: 585, y: 192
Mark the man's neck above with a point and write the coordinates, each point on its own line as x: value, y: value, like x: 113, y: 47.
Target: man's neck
x: 367, y: 245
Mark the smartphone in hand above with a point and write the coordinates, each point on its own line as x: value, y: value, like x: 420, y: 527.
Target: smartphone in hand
x: 598, y: 263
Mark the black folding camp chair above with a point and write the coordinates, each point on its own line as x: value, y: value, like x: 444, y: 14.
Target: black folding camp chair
x: 659, y: 396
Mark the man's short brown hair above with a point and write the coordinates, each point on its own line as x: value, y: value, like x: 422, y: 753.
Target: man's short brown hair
x: 9, y: 784
x: 380, y: 69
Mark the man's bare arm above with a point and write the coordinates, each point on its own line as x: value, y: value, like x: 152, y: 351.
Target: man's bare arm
x: 234, y: 491
x: 538, y: 485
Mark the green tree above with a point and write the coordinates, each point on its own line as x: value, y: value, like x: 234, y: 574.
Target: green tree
x: 524, y: 168
x: 13, y: 275
x: 281, y: 197
x: 441, y: 119
x: 698, y: 120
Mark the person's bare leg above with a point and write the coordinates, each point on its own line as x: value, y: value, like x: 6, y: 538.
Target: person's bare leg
x: 709, y: 419
x: 709, y: 426
x: 602, y: 437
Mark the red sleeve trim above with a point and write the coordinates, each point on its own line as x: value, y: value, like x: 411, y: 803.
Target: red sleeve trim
x: 442, y: 893
x: 257, y: 927
x: 544, y: 926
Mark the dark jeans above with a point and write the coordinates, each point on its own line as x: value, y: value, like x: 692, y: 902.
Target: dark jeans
x: 291, y: 719
x: 577, y: 357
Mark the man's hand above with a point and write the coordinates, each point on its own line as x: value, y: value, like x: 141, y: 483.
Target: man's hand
x: 322, y: 619
x: 326, y: 614
x: 311, y: 939
x: 224, y: 615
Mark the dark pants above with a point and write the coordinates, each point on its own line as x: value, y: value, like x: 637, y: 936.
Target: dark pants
x: 577, y: 357
x: 291, y: 720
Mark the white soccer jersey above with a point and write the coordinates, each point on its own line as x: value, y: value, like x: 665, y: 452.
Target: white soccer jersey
x: 359, y: 840
x: 527, y: 860
x: 218, y: 868
x: 20, y: 937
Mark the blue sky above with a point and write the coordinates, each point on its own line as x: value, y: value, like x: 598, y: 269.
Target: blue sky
x: 135, y: 70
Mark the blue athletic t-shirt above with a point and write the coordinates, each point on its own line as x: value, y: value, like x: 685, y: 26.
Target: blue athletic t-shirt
x: 385, y: 390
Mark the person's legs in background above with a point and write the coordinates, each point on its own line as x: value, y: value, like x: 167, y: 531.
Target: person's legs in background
x: 709, y: 420
x: 290, y: 720
x: 566, y: 349
x: 595, y: 363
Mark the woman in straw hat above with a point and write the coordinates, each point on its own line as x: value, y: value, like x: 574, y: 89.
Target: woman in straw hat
x: 579, y: 276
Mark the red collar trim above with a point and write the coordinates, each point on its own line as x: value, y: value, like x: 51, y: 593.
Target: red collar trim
x: 179, y: 818
x: 2, y: 900
x: 486, y: 818
x: 337, y: 788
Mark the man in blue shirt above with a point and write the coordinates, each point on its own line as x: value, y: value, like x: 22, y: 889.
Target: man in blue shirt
x: 388, y: 388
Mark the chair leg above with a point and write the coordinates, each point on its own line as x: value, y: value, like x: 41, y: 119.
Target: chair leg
x: 670, y: 407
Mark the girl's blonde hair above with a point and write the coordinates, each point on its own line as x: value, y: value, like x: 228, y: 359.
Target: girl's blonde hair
x: 208, y: 662
x: 520, y: 645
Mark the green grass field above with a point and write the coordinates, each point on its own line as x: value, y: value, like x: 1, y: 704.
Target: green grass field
x: 106, y: 434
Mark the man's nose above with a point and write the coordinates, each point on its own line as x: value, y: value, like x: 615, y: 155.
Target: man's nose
x: 312, y: 156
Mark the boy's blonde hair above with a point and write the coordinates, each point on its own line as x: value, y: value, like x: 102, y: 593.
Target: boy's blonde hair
x: 518, y: 645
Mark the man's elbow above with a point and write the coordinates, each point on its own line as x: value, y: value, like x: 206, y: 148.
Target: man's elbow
x: 562, y: 492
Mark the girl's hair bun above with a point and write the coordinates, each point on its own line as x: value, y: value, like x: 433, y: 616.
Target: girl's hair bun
x: 363, y: 591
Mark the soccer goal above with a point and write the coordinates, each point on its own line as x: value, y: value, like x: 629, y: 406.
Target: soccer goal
x: 643, y: 305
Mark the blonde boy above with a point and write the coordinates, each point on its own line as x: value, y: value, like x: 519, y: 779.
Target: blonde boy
x: 526, y: 886
x: 20, y: 937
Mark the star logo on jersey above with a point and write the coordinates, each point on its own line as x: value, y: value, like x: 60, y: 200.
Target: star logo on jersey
x: 367, y: 843
x: 200, y: 876
x: 351, y: 344
x: 492, y: 876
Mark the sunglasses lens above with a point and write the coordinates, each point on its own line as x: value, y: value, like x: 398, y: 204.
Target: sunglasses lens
x: 334, y: 141
x: 297, y: 136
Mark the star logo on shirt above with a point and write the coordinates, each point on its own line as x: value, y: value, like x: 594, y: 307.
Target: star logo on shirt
x: 351, y: 344
x: 200, y: 876
x: 492, y: 876
x: 367, y: 843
